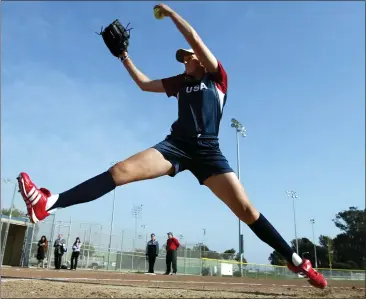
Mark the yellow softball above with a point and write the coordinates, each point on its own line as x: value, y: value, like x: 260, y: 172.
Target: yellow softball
x: 158, y: 14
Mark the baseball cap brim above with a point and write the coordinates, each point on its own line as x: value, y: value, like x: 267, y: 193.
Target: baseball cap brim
x: 183, y: 52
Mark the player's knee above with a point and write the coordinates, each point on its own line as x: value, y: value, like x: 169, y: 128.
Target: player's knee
x: 247, y: 212
x: 122, y: 173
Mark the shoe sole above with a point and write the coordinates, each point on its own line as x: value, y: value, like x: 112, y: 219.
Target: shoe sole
x: 302, y: 273
x: 312, y: 282
x: 32, y: 217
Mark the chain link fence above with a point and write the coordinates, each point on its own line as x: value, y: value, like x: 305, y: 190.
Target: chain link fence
x: 124, y: 251
x: 214, y: 267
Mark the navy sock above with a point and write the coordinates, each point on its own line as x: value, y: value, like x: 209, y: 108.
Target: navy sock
x: 89, y: 190
x: 268, y: 234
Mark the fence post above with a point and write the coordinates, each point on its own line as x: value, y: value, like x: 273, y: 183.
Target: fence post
x: 51, y: 240
x: 190, y: 260
x: 68, y: 234
x: 25, y: 246
x: 90, y: 232
x: 133, y: 254
x: 30, y: 247
x: 201, y: 260
x: 68, y: 238
x: 120, y: 260
x: 185, y: 256
x: 59, y: 227
x: 100, y: 239
x: 84, y: 238
x: 145, y: 270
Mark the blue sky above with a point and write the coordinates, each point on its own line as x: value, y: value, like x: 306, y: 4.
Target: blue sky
x: 296, y: 81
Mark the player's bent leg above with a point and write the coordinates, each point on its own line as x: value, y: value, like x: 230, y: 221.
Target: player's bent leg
x: 144, y: 165
x: 228, y: 188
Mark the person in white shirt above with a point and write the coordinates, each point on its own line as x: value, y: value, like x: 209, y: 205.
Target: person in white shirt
x: 75, y: 253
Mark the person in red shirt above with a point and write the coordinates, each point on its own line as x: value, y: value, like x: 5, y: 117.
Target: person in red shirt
x: 172, y: 245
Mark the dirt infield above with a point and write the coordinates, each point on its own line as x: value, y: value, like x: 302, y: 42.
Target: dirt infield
x: 33, y: 283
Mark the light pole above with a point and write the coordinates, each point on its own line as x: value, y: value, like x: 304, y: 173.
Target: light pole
x: 112, y: 222
x: 292, y: 194
x: 143, y: 226
x: 312, y: 221
x: 136, y: 213
x: 240, y: 130
x: 8, y: 181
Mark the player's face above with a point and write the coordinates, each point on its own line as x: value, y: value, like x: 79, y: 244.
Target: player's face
x: 191, y: 64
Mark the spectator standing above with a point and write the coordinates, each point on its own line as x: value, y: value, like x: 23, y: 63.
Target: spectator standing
x: 41, y: 251
x: 59, y: 251
x: 172, y: 246
x: 75, y: 253
x: 152, y: 252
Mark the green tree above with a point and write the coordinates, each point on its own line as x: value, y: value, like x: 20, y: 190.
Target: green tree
x: 200, y: 247
x: 206, y: 252
x: 351, y: 221
x: 306, y: 250
x: 324, y: 241
x: 276, y: 258
x: 349, y: 246
x: 237, y: 258
x: 15, y: 212
x: 229, y: 254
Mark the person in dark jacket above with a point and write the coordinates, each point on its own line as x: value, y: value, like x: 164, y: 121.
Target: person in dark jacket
x: 41, y: 251
x: 152, y: 252
x: 59, y: 251
x: 172, y: 245
x: 75, y: 253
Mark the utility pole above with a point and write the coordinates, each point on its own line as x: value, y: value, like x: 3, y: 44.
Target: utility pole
x: 240, y: 131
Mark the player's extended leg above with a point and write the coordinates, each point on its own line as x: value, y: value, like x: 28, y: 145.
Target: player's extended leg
x: 228, y: 188
x: 145, y: 165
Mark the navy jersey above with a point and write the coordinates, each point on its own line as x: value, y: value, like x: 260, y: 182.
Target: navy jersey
x: 200, y: 103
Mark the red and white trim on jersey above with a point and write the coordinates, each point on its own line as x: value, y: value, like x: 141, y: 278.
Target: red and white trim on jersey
x: 200, y: 103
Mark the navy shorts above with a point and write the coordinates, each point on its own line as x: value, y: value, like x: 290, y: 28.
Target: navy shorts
x: 202, y: 157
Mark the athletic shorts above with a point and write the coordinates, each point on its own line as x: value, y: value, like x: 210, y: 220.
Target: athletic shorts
x: 202, y: 157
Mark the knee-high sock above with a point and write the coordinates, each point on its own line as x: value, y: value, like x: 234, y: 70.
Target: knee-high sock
x: 87, y: 191
x: 268, y: 234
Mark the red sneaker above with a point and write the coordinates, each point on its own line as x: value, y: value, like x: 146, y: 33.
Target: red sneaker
x: 316, y: 279
x: 34, y: 198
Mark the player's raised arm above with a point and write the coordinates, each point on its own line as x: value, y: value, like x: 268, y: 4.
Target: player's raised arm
x: 170, y: 85
x: 202, y: 52
x: 116, y: 37
x: 142, y: 81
